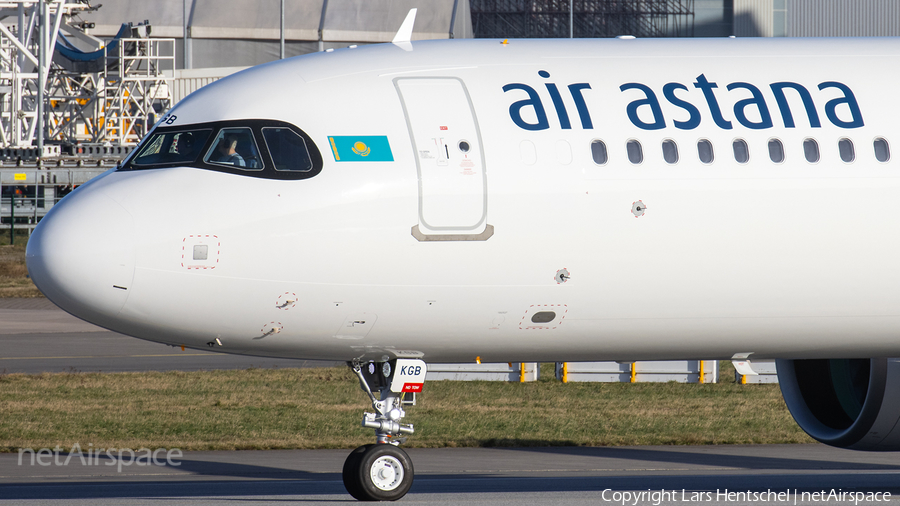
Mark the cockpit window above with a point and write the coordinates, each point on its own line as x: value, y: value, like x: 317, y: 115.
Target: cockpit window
x: 288, y: 149
x: 261, y: 148
x: 171, y: 148
x: 234, y: 147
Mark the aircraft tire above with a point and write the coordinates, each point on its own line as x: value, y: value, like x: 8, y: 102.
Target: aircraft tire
x: 378, y: 472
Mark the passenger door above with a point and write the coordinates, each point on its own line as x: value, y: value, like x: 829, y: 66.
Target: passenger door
x: 449, y: 158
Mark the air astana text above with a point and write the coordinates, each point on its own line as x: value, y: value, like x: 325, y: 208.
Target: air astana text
x: 751, y: 109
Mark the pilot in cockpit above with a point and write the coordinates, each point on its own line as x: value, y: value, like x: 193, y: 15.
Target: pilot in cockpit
x: 185, y: 145
x: 226, y: 151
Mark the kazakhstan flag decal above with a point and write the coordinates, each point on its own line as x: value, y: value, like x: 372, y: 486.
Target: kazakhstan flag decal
x: 361, y: 148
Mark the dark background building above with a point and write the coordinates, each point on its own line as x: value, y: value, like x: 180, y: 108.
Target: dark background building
x: 685, y: 18
x: 582, y: 18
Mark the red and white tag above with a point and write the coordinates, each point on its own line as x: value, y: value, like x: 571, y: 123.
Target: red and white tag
x: 409, y: 376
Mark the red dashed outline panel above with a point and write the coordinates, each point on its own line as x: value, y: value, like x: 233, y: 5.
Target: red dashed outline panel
x: 192, y: 240
x: 526, y: 324
x: 285, y: 301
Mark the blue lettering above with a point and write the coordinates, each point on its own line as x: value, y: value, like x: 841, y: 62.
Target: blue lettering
x: 649, y: 100
x: 694, y: 119
x: 856, y: 120
x: 765, y: 119
x: 560, y: 107
x: 843, y: 111
x: 575, y: 90
x: 561, y: 112
x: 707, y: 88
x: 515, y: 110
x: 786, y: 116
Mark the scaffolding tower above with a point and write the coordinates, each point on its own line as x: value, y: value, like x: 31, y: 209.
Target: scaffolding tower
x: 582, y: 18
x: 108, y: 96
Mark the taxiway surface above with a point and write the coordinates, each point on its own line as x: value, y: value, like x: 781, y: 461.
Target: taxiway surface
x: 776, y: 474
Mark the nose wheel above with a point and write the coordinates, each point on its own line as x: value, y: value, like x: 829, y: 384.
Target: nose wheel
x: 382, y: 471
x: 378, y: 472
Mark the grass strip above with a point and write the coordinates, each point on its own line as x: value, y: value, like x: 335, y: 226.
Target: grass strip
x: 322, y: 408
x: 14, y: 280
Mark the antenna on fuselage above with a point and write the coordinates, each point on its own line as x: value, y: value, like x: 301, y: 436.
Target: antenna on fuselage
x: 404, y: 34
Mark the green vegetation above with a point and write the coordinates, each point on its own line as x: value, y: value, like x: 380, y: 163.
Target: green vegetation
x: 322, y: 408
x: 14, y: 280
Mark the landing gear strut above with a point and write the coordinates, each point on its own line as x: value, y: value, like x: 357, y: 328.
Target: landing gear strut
x: 382, y: 471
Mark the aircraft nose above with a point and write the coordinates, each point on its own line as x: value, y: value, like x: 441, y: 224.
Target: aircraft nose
x: 81, y: 256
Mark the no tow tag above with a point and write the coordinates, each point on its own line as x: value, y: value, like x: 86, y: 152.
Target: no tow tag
x: 409, y: 376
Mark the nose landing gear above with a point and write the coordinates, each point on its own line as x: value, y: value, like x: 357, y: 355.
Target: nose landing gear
x: 382, y: 471
x: 378, y: 472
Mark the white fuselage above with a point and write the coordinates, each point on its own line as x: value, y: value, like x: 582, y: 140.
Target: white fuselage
x: 448, y: 256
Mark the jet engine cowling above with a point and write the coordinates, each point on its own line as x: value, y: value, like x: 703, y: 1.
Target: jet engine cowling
x: 847, y: 403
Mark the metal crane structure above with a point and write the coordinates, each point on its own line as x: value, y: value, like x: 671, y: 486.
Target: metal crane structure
x: 65, y: 92
x: 71, y: 105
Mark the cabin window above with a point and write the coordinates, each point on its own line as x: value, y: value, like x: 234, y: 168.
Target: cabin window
x: 741, y: 151
x: 288, y: 149
x: 635, y: 152
x: 776, y: 151
x: 670, y: 151
x: 563, y: 152
x: 528, y: 152
x: 882, y: 150
x: 811, y: 150
x: 234, y: 147
x: 845, y: 148
x: 171, y: 148
x: 705, y: 151
x: 598, y: 152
